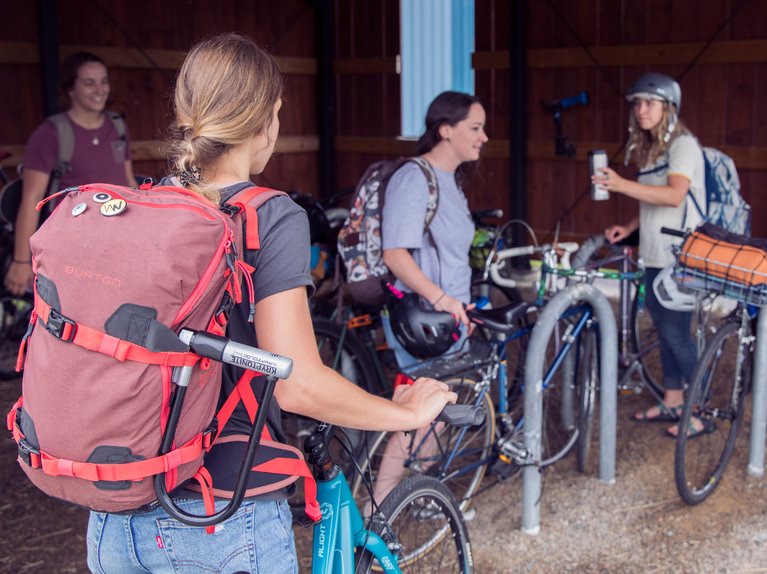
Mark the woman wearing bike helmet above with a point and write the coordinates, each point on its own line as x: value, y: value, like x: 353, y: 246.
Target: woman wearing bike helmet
x: 670, y: 162
x: 434, y: 263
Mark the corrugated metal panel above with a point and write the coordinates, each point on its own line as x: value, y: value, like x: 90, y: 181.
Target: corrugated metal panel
x: 437, y: 41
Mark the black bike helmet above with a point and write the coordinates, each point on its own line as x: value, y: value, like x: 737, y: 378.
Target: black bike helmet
x: 657, y: 87
x: 423, y: 333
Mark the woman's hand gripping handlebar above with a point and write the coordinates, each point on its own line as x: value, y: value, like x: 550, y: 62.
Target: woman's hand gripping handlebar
x: 224, y: 350
x: 462, y: 415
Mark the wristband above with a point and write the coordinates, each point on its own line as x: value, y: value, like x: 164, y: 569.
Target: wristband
x: 439, y: 299
x: 21, y: 261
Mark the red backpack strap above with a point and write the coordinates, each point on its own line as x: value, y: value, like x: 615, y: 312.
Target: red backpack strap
x: 249, y: 200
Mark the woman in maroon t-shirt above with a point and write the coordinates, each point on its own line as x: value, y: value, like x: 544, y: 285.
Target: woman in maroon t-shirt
x: 100, y: 154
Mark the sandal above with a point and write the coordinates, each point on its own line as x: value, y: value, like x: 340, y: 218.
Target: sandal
x: 708, y: 427
x: 665, y: 414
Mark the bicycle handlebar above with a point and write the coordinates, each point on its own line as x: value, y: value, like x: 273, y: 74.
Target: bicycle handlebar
x: 674, y: 232
x: 462, y: 415
x: 479, y: 215
x: 568, y: 247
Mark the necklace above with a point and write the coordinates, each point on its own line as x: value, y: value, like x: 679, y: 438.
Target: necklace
x: 95, y: 140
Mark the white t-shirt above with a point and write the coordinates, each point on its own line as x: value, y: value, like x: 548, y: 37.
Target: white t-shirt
x: 685, y: 158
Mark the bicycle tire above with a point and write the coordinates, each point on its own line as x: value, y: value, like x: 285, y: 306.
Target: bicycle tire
x: 341, y: 351
x: 560, y: 427
x: 588, y: 384
x: 427, y: 456
x: 14, y: 319
x: 423, y: 526
x: 645, y: 339
x: 715, y: 397
x: 516, y: 348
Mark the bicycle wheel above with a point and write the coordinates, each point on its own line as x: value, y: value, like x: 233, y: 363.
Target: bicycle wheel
x: 645, y: 347
x: 456, y: 456
x: 715, y: 398
x: 422, y: 525
x: 14, y: 318
x: 588, y: 384
x: 340, y: 350
x: 560, y: 404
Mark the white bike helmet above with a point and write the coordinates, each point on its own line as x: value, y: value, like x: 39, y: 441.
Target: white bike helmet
x: 671, y: 294
x: 657, y: 87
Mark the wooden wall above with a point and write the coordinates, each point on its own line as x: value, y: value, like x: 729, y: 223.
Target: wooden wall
x: 723, y: 93
x: 142, y: 91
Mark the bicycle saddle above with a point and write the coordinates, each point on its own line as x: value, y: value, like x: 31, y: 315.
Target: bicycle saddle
x: 504, y: 319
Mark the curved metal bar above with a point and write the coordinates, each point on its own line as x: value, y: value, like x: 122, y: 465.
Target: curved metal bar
x: 759, y: 400
x: 608, y: 400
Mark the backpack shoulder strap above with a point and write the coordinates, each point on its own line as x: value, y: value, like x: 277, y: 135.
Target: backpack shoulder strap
x: 119, y: 123
x: 65, y: 138
x: 249, y: 200
x: 431, y: 179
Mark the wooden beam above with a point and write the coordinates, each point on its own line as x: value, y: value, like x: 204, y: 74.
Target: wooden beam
x: 744, y: 157
x: 741, y: 51
x: 27, y: 53
x: 376, y: 145
x: 150, y: 150
x: 367, y: 65
x: 147, y: 150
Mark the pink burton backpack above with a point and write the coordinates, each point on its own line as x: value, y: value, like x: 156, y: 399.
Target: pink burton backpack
x: 119, y: 272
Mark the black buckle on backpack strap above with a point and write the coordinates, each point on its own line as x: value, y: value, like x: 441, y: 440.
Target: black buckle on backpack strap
x: 209, y: 434
x: 224, y: 309
x: 229, y: 210
x: 56, y: 325
x: 29, y: 455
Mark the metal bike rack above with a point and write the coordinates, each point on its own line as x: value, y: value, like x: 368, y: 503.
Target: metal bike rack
x: 759, y: 399
x: 533, y: 408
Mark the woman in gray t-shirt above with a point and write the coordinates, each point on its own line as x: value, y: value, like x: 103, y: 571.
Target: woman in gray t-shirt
x: 671, y: 164
x: 435, y: 264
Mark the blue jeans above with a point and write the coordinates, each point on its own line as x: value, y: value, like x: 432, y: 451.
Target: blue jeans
x: 678, y: 352
x: 258, y: 538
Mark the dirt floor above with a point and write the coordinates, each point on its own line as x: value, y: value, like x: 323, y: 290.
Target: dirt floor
x: 638, y: 524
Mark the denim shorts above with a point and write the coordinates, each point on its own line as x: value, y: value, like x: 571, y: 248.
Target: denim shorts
x: 258, y: 538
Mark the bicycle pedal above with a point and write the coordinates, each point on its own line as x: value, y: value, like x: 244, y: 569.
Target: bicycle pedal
x: 504, y: 470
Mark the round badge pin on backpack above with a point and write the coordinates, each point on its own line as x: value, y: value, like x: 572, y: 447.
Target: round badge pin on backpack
x: 101, y: 197
x: 113, y: 207
x: 78, y: 209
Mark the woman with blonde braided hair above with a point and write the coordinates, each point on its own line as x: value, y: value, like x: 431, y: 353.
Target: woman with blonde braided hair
x: 227, y: 102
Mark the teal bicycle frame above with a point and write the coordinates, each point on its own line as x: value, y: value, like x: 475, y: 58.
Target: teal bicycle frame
x: 342, y: 529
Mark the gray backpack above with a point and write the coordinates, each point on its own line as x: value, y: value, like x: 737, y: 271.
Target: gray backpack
x: 66, y: 139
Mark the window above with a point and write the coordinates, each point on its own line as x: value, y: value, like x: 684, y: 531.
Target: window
x: 437, y: 42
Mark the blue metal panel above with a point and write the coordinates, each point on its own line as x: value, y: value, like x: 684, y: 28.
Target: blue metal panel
x: 463, y: 45
x: 437, y: 41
